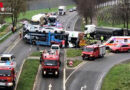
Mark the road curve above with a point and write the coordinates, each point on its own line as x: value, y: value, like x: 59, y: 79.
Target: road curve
x: 92, y: 73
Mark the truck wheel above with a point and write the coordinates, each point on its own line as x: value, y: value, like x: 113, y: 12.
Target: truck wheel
x: 128, y: 50
x: 83, y: 58
x: 93, y: 58
x: 117, y: 51
x: 11, y: 88
x: 44, y: 31
x: 55, y: 31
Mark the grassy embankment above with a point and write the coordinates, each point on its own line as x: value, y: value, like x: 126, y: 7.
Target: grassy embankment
x: 72, y: 53
x: 118, y: 78
x: 28, y: 75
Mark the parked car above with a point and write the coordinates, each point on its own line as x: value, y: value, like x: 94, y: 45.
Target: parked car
x: 120, y: 48
x: 51, y: 29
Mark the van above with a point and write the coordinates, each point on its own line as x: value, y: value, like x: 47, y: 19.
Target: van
x: 114, y: 40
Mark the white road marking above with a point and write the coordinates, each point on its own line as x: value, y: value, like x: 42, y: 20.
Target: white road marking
x: 75, y: 71
x: 64, y: 72
x: 18, y: 76
x: 50, y: 86
x: 99, y: 82
x: 83, y: 87
x: 64, y: 77
x: 10, y: 48
x: 75, y: 23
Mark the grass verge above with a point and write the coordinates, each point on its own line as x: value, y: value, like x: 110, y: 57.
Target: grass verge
x: 75, y: 63
x: 37, y: 53
x: 118, y: 78
x: 4, y: 30
x: 72, y: 52
x: 28, y: 75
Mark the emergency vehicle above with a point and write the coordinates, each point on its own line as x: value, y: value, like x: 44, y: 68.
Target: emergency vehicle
x: 115, y: 40
x: 120, y: 48
x: 93, y: 51
x: 55, y: 47
x: 7, y: 75
x: 50, y: 62
x: 7, y: 58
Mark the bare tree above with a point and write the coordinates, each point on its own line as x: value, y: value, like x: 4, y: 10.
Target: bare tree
x: 88, y: 8
x: 16, y: 7
x: 117, y: 14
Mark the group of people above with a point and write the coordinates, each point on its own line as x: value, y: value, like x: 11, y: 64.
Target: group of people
x: 101, y: 37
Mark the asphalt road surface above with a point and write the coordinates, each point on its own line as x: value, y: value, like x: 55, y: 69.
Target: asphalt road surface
x: 90, y: 75
x: 57, y: 83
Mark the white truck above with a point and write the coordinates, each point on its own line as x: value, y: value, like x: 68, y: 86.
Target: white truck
x: 55, y: 47
x: 89, y: 29
x: 61, y: 10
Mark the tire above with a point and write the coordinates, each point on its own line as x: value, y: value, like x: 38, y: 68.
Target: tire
x: 44, y: 31
x: 37, y: 31
x: 128, y: 50
x: 116, y: 51
x: 83, y: 58
x: 55, y: 32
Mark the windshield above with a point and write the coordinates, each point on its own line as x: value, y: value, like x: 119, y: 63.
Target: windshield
x: 88, y: 49
x: 4, y: 58
x: 5, y: 72
x: 60, y: 9
x: 54, y: 47
x: 35, y: 23
x: 86, y: 28
x: 50, y: 62
x: 52, y: 20
x: 118, y: 45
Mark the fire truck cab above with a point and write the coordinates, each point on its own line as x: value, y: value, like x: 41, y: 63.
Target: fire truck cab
x: 7, y: 75
x: 50, y: 62
x: 93, y: 51
x: 8, y: 58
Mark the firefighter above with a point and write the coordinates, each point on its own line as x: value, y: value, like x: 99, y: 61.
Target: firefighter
x: 20, y: 34
x: 102, y: 39
x: 63, y: 43
x: 88, y: 36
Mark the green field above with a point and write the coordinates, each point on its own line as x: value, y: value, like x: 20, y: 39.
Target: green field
x: 37, y: 53
x: 31, y: 13
x: 118, y: 78
x: 71, y: 52
x: 28, y: 75
x: 75, y: 63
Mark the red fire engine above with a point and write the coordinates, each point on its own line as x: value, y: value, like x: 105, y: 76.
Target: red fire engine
x: 93, y: 51
x: 7, y: 75
x: 50, y: 62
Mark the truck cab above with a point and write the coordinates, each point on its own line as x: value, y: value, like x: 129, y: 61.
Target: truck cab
x: 7, y: 75
x: 93, y: 51
x: 7, y: 57
x: 89, y: 29
x: 62, y: 10
x: 50, y: 62
x: 55, y: 47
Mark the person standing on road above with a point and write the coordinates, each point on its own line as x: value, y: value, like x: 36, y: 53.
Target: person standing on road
x: 20, y: 34
x: 102, y: 39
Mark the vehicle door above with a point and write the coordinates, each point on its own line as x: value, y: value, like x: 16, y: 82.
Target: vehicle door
x: 96, y: 52
x: 124, y: 47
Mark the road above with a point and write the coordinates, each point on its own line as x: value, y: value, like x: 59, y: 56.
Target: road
x: 58, y: 83
x: 92, y: 73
